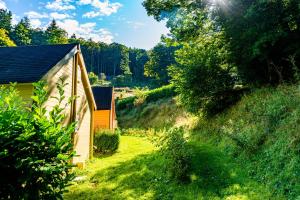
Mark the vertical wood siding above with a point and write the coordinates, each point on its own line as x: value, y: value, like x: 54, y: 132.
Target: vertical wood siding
x: 65, y: 73
x: 83, y: 118
x: 102, y: 119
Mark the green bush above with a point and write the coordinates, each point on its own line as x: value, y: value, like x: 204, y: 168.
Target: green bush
x: 106, y: 141
x: 175, y: 149
x: 149, y: 96
x: 35, y: 148
x: 160, y: 93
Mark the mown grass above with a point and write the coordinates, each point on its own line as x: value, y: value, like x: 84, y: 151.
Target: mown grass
x: 137, y: 171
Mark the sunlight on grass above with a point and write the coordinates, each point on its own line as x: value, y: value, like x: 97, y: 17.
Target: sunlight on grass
x: 138, y: 171
x: 106, y: 183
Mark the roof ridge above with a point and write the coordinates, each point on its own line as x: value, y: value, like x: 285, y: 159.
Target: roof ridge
x: 43, y: 45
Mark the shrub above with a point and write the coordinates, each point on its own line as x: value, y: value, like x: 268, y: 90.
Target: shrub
x: 175, y: 149
x: 140, y: 96
x: 93, y: 78
x: 35, y: 148
x: 149, y: 96
x: 106, y: 141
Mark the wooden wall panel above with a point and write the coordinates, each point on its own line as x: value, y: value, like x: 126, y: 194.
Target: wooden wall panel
x: 102, y: 119
x: 83, y: 119
x: 65, y: 73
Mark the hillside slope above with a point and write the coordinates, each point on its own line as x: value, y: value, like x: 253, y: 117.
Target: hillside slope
x: 261, y: 134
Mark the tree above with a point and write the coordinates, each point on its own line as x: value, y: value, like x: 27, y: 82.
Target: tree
x: 5, y: 41
x: 202, y: 76
x: 263, y: 36
x: 38, y: 37
x: 5, y: 20
x: 21, y: 33
x: 161, y: 57
x: 56, y: 35
x: 137, y: 60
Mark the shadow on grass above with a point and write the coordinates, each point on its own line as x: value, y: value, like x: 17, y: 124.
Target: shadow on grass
x: 145, y: 177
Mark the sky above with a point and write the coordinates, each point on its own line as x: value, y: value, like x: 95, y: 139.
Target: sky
x: 122, y: 21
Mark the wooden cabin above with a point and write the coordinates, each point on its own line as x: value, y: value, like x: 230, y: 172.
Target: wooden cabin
x: 105, y: 115
x: 51, y: 63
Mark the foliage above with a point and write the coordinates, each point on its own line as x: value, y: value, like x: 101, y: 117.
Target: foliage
x: 161, y: 56
x: 203, y: 74
x: 5, y: 20
x: 262, y: 36
x: 112, y: 60
x: 36, y: 148
x: 138, y: 58
x: 140, y: 96
x: 21, y: 33
x: 5, y: 41
x: 175, y: 149
x: 262, y: 134
x: 93, y: 78
x: 56, y: 35
x: 38, y: 37
x: 148, y: 96
x: 106, y: 141
x: 122, y: 80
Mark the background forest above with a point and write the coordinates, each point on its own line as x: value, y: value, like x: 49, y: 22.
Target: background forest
x: 114, y: 62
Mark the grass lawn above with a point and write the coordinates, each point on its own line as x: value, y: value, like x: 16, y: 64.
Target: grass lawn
x: 137, y: 171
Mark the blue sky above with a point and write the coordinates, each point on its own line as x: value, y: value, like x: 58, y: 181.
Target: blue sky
x: 122, y: 21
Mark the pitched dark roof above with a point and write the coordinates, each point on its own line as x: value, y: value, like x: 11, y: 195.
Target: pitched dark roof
x: 103, y: 97
x: 29, y: 64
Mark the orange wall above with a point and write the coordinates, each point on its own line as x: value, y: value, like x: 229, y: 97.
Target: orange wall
x: 102, y: 119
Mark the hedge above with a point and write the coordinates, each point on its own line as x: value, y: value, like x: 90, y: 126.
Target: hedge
x: 152, y: 95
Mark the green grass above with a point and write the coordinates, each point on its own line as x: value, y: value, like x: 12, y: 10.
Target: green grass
x: 137, y: 171
x: 250, y: 151
x: 262, y: 133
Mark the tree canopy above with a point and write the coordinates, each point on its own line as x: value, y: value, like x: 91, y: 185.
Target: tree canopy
x: 263, y: 36
x: 21, y: 33
x: 4, y: 39
x: 56, y: 35
x: 161, y: 57
x: 227, y: 43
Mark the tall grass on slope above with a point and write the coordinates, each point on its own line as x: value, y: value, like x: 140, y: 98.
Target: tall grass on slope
x: 151, y: 109
x: 262, y: 133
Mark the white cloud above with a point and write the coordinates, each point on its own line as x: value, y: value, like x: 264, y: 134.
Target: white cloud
x: 15, y: 19
x: 91, y: 14
x: 86, y: 31
x: 35, y: 23
x: 36, y: 15
x: 103, y: 8
x: 60, y: 5
x: 56, y: 15
x: 2, y: 5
